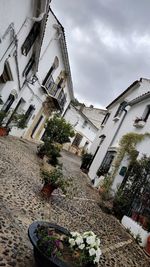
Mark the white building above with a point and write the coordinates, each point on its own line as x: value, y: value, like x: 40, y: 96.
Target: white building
x: 129, y: 112
x: 85, y: 130
x: 95, y: 115
x: 35, y: 76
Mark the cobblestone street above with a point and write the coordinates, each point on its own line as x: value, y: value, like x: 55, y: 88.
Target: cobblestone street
x: 21, y: 204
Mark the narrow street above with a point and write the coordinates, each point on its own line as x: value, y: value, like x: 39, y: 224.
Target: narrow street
x: 21, y: 204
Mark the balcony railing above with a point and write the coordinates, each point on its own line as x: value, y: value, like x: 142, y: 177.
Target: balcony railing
x: 56, y: 93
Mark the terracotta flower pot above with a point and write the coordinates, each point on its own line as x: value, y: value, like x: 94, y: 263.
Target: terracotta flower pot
x: 147, y: 249
x: 47, y: 190
x: 135, y: 216
x: 3, y: 131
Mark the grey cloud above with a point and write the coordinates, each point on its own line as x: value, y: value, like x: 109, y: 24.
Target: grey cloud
x: 105, y: 65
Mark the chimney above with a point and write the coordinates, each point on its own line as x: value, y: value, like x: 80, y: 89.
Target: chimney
x: 81, y: 107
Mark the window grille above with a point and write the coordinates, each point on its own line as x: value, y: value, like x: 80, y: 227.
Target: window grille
x: 29, y: 113
x: 29, y: 41
x: 7, y: 74
x: 120, y: 109
x: 28, y: 66
x: 146, y: 113
x: 105, y: 118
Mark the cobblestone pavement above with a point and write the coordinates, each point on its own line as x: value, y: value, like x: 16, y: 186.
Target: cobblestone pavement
x: 21, y: 204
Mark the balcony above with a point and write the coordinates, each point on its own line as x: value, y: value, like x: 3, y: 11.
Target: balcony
x: 57, y: 94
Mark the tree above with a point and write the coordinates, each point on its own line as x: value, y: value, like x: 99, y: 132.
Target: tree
x: 58, y: 130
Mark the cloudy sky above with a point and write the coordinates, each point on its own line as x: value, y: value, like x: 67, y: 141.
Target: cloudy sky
x: 108, y: 44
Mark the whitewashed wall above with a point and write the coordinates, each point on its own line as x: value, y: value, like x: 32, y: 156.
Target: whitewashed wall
x: 95, y: 115
x: 32, y: 94
x: 110, y: 129
x: 76, y: 119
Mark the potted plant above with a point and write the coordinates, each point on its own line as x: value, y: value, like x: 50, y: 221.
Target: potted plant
x: 139, y: 122
x: 55, y: 246
x: 3, y: 129
x: 18, y: 120
x: 52, y: 180
x: 57, y: 133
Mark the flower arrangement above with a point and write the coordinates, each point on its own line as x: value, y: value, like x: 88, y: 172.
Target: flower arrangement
x: 76, y: 249
x: 87, y: 246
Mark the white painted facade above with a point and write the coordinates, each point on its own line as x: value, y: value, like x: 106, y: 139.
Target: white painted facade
x: 95, y: 115
x: 135, y: 229
x: 81, y: 125
x: 49, y: 44
x: 137, y: 97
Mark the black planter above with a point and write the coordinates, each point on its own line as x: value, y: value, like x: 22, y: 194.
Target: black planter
x: 40, y: 258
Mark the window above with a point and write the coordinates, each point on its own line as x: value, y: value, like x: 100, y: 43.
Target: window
x: 120, y: 109
x: 36, y: 125
x: 29, y: 113
x: 8, y: 103
x: 146, y: 113
x: 7, y: 74
x: 84, y: 124
x: 29, y: 41
x: 102, y: 138
x: 28, y: 66
x: 62, y: 99
x: 105, y: 118
x: 77, y: 140
x: 106, y: 163
x: 48, y: 78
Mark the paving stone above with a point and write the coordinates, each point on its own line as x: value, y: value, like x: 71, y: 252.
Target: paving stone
x: 21, y: 204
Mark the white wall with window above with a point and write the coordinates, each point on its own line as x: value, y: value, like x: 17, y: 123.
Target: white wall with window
x: 32, y: 49
x: 84, y: 129
x: 137, y: 98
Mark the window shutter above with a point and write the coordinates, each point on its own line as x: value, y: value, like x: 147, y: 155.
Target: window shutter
x: 30, y: 38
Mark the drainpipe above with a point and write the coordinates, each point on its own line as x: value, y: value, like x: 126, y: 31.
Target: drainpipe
x: 119, y: 126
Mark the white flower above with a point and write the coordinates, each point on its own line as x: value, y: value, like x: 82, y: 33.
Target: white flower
x: 90, y: 240
x: 74, y: 234
x: 97, y: 241
x: 98, y: 254
x: 92, y: 251
x: 89, y: 233
x: 82, y: 246
x: 71, y: 242
x: 96, y: 260
x: 79, y: 240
